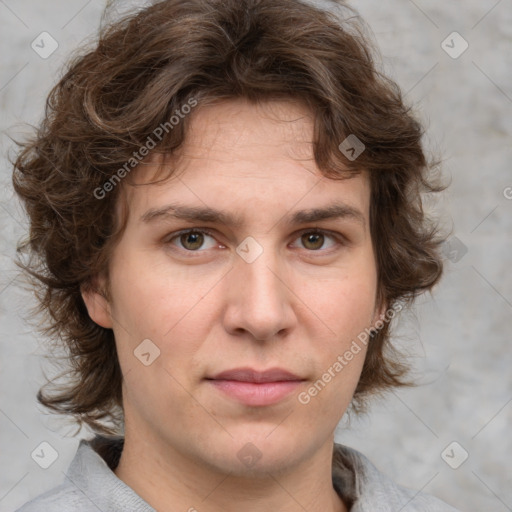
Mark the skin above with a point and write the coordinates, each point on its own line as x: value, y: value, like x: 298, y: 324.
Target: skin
x: 297, y: 306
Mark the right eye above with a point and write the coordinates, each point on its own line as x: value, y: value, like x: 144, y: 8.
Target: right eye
x: 190, y: 240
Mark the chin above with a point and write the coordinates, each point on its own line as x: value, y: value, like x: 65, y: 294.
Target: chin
x: 258, y: 453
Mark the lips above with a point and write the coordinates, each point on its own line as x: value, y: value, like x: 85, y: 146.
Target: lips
x: 250, y: 375
x: 256, y: 388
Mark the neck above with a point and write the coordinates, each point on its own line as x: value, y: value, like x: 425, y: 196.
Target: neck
x: 169, y: 480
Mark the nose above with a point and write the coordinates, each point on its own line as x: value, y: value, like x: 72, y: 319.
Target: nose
x: 259, y: 299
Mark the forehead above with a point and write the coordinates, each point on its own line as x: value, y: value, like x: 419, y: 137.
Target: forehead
x: 237, y: 153
x: 237, y: 129
x: 239, y: 126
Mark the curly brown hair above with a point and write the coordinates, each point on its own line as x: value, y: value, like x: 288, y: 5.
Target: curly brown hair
x: 144, y: 67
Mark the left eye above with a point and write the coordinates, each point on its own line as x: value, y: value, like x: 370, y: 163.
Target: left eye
x: 192, y: 240
x: 315, y: 239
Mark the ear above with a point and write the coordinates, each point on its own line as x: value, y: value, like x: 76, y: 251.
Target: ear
x: 96, y: 303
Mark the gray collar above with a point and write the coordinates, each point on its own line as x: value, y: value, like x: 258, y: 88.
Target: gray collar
x: 354, y: 477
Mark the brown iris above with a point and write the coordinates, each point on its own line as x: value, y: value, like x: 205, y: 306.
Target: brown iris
x: 195, y: 238
x: 316, y: 239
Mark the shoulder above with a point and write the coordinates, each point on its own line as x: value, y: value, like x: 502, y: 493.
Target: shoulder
x: 374, y: 491
x: 90, y: 484
x: 63, y: 497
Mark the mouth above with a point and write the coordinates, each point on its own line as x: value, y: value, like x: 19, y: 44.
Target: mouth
x: 256, y: 388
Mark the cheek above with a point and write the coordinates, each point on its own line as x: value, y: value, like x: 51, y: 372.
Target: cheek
x: 351, y: 309
x: 153, y: 300
x: 345, y: 306
x: 150, y: 304
x: 344, y: 303
x: 346, y: 309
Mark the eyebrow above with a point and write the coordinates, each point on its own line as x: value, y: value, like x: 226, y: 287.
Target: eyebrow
x: 206, y: 214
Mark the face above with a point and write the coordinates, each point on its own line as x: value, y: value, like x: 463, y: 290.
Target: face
x: 227, y: 335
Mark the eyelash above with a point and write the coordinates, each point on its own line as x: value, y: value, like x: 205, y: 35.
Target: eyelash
x: 337, y: 237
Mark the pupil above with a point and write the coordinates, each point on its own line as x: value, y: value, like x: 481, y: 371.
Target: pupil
x: 196, y: 240
x: 314, y: 238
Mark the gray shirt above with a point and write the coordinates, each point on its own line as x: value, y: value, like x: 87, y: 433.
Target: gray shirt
x: 92, y: 486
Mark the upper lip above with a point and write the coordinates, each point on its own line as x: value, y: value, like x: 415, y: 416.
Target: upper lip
x: 251, y: 375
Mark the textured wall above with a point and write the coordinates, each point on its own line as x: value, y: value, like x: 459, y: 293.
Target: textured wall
x: 459, y: 335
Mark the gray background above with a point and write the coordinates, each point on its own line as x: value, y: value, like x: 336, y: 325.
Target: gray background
x: 459, y: 335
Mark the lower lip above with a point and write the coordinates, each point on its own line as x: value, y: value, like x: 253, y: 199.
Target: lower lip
x: 257, y: 394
